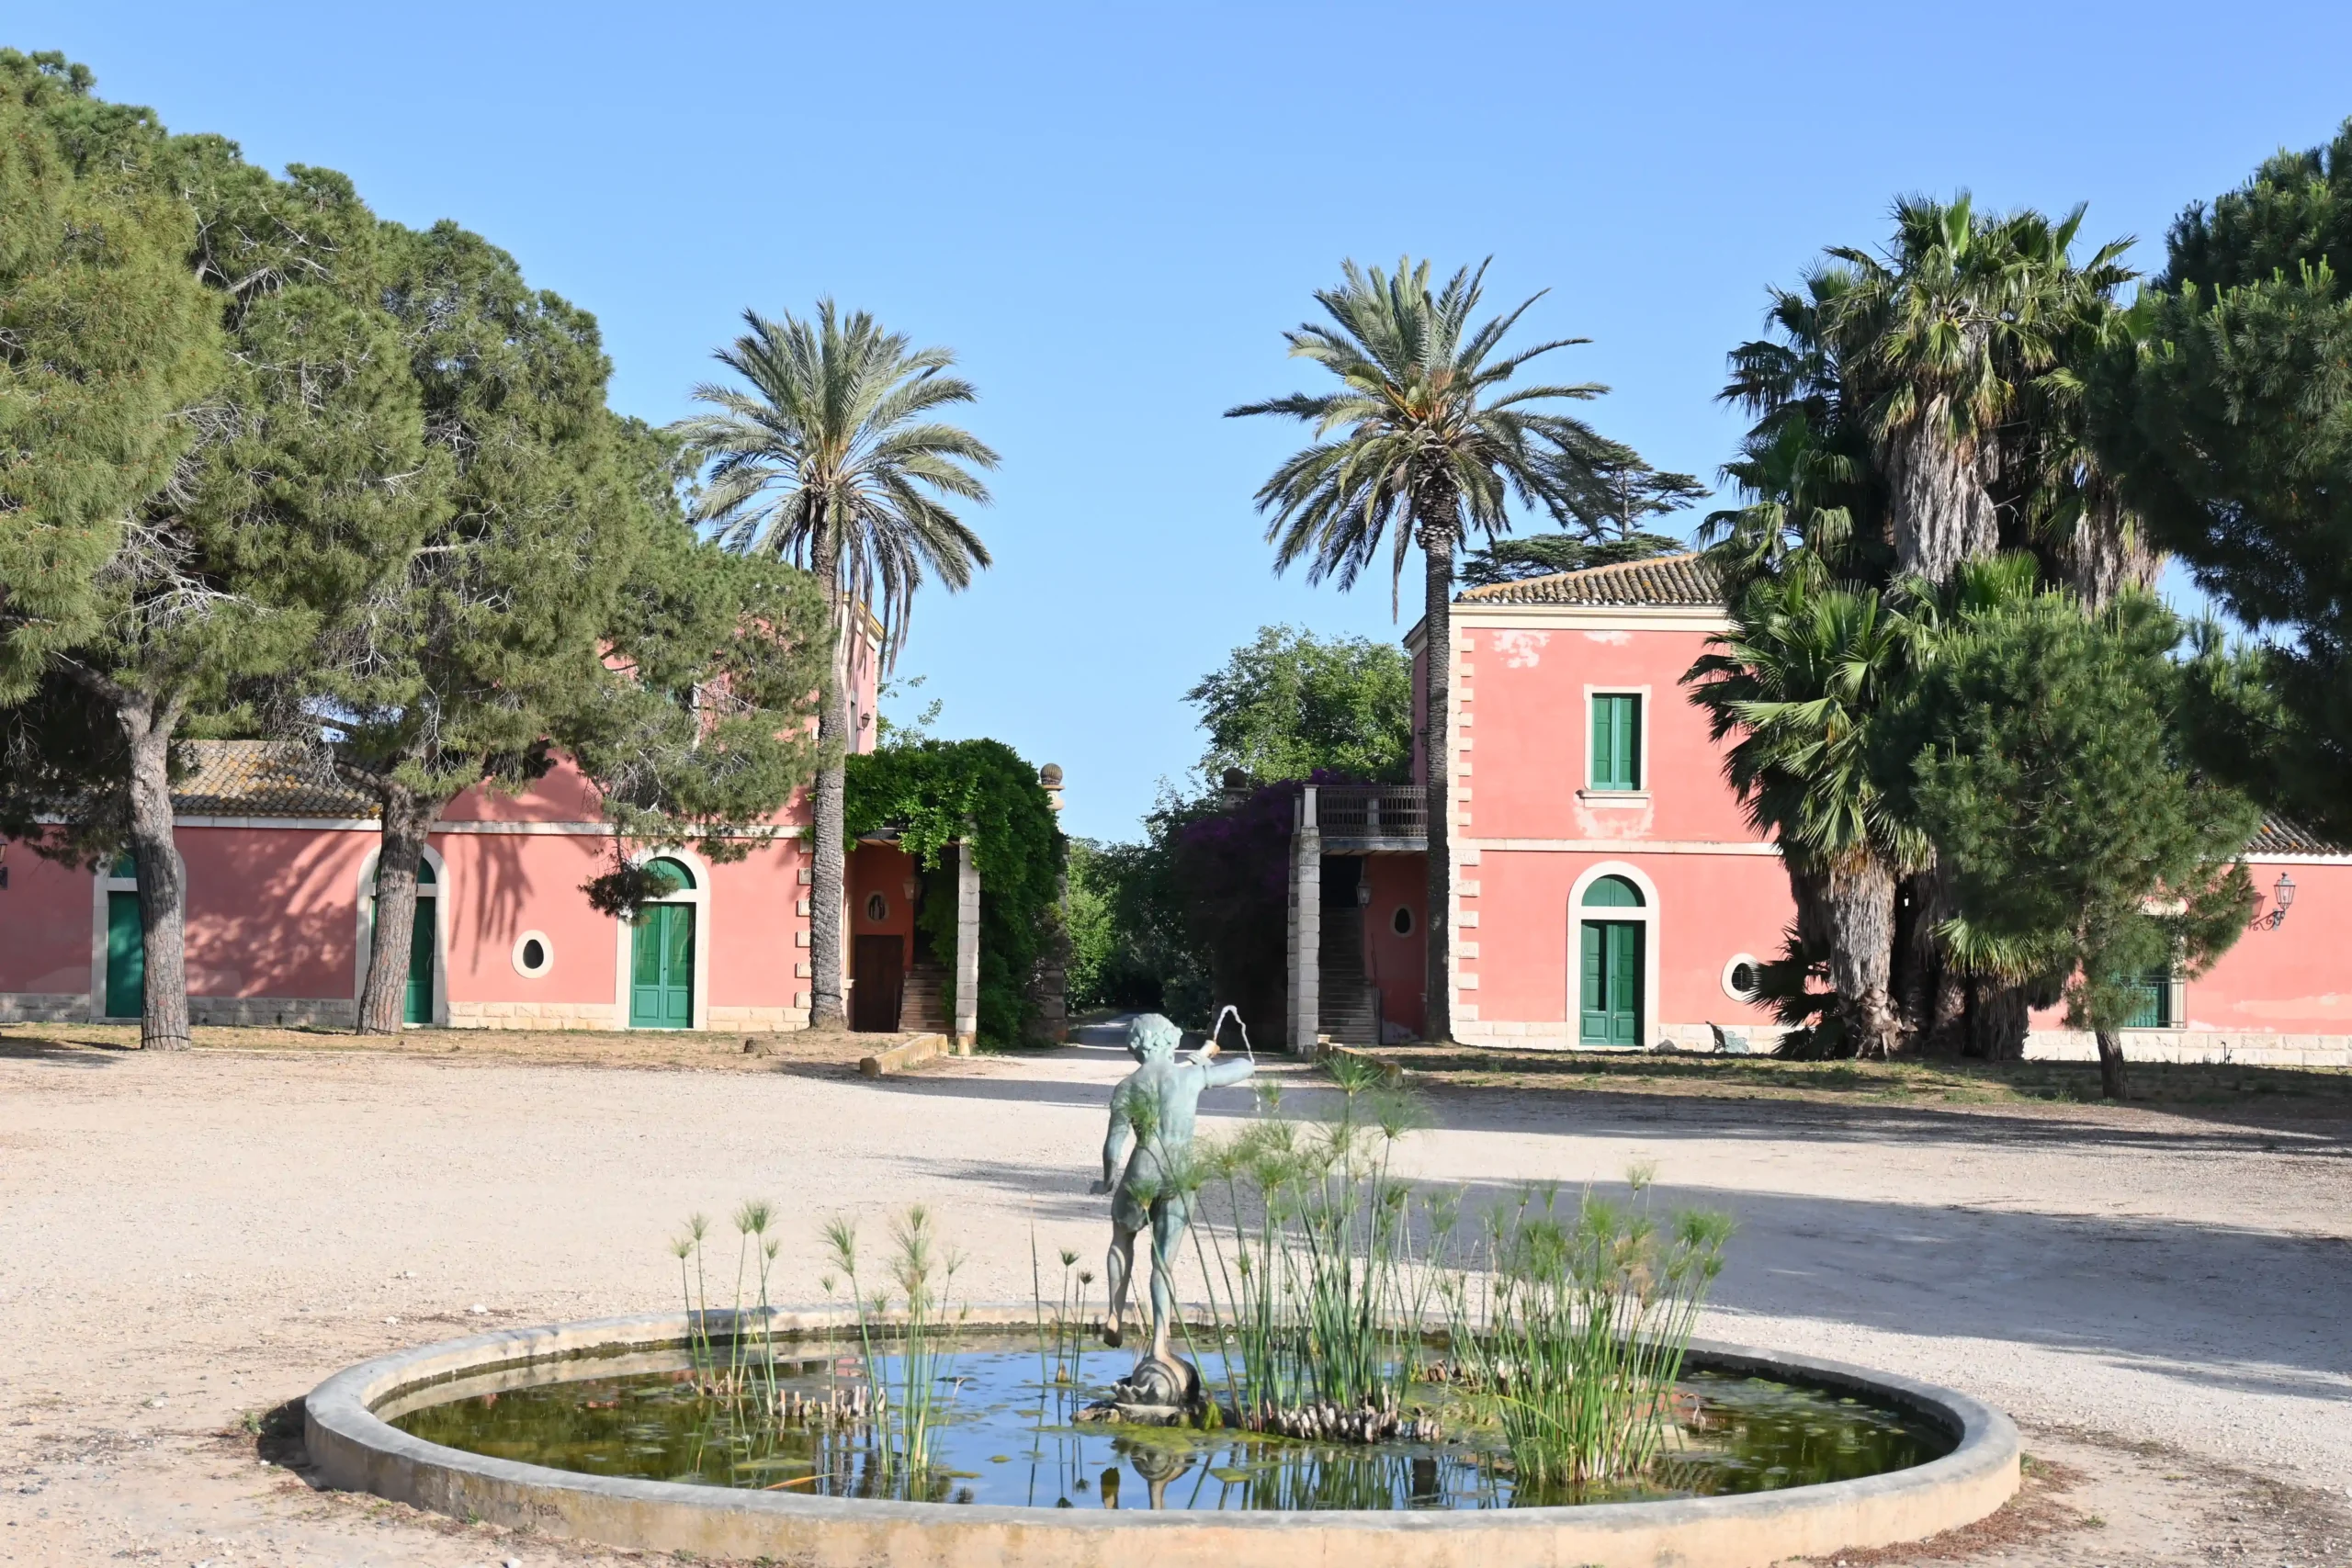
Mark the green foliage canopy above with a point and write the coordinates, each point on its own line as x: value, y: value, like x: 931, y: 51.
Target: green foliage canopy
x: 2232, y: 427
x: 932, y: 794
x: 1292, y: 702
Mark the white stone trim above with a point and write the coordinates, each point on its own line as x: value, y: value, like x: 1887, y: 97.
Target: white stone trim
x: 1648, y: 916
x: 1623, y: 846
x: 698, y: 895
x: 370, y: 824
x: 366, y: 918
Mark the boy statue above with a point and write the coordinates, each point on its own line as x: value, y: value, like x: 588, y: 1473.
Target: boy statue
x: 1144, y: 1156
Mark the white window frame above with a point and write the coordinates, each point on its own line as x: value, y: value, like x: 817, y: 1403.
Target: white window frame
x: 623, y: 931
x: 365, y: 918
x: 1648, y: 915
x: 1586, y: 793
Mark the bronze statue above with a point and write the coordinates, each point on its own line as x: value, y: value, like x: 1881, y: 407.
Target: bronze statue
x: 1144, y: 1158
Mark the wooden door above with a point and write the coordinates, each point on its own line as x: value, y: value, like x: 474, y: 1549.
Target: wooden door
x: 662, y: 971
x: 1610, y: 1006
x: 879, y: 964
x: 126, y: 957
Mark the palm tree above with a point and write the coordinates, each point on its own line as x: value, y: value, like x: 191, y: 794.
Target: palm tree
x: 1946, y: 333
x: 1420, y: 445
x: 832, y: 461
x: 1804, y: 678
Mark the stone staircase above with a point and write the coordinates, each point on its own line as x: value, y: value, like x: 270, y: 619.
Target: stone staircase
x: 923, y: 1005
x: 1349, y: 1010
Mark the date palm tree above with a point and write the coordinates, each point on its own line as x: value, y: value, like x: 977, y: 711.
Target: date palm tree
x: 830, y: 457
x: 1424, y: 443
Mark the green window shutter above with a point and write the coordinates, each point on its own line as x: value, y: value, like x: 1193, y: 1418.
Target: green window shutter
x: 1624, y: 984
x: 1617, y: 741
x: 1592, y: 1023
x: 2153, y: 991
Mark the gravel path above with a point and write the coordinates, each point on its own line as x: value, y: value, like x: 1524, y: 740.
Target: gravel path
x: 184, y: 1240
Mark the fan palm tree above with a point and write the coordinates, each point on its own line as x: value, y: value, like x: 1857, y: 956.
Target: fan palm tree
x: 1803, y: 679
x: 830, y: 457
x: 1422, y: 444
x: 1946, y: 332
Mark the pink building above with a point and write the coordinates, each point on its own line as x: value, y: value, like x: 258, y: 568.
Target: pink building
x: 1609, y: 891
x: 280, y: 875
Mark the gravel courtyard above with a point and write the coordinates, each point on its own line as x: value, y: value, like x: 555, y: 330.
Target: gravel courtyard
x: 2163, y: 1301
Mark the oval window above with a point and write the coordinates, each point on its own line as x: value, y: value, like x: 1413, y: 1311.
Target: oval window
x: 534, y: 954
x: 1743, y: 978
x: 876, y: 906
x: 1401, y: 922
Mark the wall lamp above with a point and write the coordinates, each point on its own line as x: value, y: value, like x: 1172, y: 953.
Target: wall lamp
x: 2282, y: 898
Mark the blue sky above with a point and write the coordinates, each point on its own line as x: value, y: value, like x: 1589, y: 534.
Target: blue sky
x: 1112, y: 214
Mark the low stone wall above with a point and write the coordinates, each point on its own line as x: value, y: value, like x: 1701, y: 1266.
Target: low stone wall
x: 274, y: 1012
x: 350, y: 1447
x: 2241, y: 1048
x: 2215, y: 1046
x: 44, y: 1007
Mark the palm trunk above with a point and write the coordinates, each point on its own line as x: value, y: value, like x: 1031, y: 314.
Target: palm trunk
x: 1937, y: 500
x: 827, y: 872
x: 2111, y: 1083
x: 2108, y: 552
x: 406, y: 817
x: 1437, y: 726
x: 162, y: 895
x: 1998, y: 1012
x: 1860, y: 899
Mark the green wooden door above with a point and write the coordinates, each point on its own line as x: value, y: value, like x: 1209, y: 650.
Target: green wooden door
x: 126, y: 957
x: 416, y: 1004
x: 662, y: 968
x: 1611, y: 991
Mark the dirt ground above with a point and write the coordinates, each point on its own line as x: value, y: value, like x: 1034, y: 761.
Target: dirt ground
x: 186, y: 1243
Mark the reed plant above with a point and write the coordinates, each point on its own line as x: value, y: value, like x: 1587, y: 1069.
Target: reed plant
x: 1575, y: 1330
x: 908, y: 1416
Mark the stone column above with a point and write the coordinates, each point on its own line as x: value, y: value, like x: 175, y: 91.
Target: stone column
x: 967, y: 949
x: 1304, y: 994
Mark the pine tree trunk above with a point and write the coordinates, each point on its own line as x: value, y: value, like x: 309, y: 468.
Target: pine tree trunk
x: 162, y: 895
x: 828, y: 870
x: 1937, y: 500
x: 1860, y: 902
x: 401, y: 851
x: 1437, y: 724
x: 2111, y: 1083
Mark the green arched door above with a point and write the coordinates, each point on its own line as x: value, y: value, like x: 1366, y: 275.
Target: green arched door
x: 126, y: 948
x: 423, y: 948
x: 661, y: 957
x: 1609, y: 961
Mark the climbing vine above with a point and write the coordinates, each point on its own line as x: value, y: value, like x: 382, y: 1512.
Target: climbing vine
x: 933, y: 793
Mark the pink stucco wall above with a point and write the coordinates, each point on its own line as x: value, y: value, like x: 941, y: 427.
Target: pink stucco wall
x: 1396, y: 964
x: 45, y: 925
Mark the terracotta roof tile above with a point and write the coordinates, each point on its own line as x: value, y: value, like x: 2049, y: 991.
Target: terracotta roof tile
x: 2276, y: 836
x: 1683, y: 580
x: 260, y: 778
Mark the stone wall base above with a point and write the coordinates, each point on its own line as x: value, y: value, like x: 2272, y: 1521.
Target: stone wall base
x: 44, y: 1007
x: 274, y: 1012
x: 532, y: 1015
x: 2218, y: 1047
x: 769, y: 1019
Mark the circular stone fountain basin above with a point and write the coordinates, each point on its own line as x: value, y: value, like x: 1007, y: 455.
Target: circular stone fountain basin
x: 1775, y: 1456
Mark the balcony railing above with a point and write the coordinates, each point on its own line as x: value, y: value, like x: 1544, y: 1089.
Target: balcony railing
x: 1372, y: 811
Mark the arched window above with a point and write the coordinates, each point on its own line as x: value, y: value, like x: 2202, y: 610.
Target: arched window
x: 1613, y: 892
x: 674, y: 871
x: 660, y: 961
